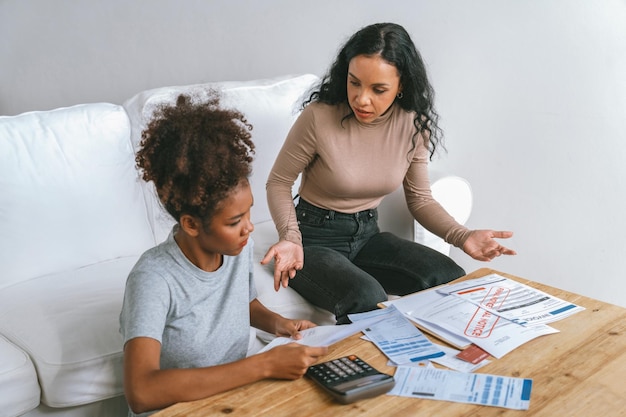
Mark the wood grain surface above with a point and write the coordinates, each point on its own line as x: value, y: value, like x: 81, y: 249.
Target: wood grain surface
x: 579, y: 372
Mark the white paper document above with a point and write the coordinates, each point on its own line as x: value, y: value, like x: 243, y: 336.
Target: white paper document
x: 482, y: 389
x: 492, y: 333
x: 512, y: 300
x: 412, y: 305
x: 323, y: 335
x: 396, y: 336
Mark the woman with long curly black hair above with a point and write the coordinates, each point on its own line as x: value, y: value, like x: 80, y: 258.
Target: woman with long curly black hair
x: 368, y: 127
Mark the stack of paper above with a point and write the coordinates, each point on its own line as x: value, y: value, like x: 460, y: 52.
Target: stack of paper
x: 396, y: 337
x: 495, y: 313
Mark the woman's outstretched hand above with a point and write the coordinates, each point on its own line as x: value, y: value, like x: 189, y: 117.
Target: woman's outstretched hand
x: 482, y: 246
x: 288, y: 259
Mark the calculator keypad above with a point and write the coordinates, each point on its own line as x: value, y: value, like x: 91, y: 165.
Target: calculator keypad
x: 341, y: 370
x: 350, y: 379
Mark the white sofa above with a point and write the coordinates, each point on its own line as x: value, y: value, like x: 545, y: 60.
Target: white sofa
x: 74, y: 218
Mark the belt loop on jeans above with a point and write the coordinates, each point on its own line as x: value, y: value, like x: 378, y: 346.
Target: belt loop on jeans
x: 331, y: 214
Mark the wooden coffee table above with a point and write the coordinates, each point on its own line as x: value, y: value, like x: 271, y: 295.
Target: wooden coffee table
x: 580, y: 371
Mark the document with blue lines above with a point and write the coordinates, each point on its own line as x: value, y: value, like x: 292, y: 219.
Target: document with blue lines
x: 460, y: 387
x: 397, y: 337
x: 512, y: 300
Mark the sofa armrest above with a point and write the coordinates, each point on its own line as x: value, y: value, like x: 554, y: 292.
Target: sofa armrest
x: 455, y: 195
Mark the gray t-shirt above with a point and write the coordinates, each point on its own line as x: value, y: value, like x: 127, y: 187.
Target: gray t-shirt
x: 201, y: 318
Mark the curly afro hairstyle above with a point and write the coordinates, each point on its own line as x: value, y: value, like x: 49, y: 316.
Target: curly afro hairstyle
x: 196, y: 154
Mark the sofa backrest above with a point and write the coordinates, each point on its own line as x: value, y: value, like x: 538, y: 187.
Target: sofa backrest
x: 70, y: 195
x: 270, y: 105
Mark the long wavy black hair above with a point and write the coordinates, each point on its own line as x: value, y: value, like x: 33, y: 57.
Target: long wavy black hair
x: 392, y: 42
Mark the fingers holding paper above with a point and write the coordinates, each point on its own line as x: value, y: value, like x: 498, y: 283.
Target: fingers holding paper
x: 291, y: 361
x: 292, y: 328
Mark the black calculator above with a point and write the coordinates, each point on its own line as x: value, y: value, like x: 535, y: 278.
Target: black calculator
x: 349, y: 379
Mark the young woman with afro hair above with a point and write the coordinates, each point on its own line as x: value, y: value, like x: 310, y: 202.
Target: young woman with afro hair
x: 190, y: 301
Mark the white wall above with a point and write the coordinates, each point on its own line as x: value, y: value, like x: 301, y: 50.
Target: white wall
x: 534, y: 100
x: 532, y: 96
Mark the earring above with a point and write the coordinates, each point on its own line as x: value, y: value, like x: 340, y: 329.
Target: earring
x: 399, y: 95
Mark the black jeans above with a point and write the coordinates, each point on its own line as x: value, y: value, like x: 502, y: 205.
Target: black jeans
x: 350, y: 266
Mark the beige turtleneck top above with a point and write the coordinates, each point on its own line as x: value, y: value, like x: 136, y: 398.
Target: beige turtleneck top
x: 348, y: 166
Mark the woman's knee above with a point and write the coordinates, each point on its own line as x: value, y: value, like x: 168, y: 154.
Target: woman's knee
x: 364, y: 297
x: 370, y: 290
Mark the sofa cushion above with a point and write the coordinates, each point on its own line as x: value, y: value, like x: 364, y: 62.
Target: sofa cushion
x: 68, y: 323
x: 18, y: 380
x: 69, y: 191
x: 269, y: 105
